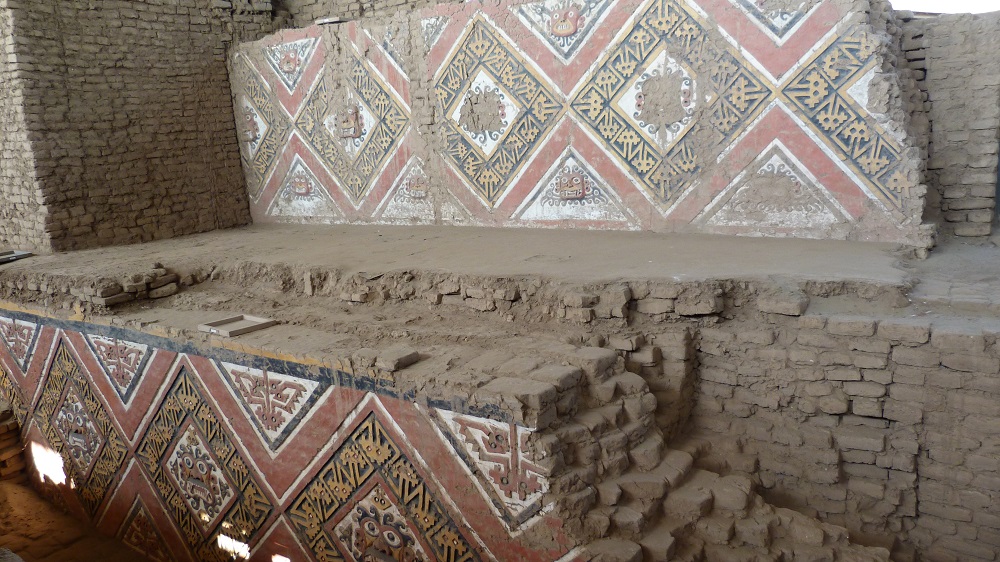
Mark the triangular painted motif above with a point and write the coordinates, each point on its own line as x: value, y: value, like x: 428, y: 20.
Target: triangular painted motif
x: 778, y: 18
x: 775, y: 194
x: 275, y: 402
x: 289, y: 60
x: 572, y: 191
x: 139, y: 533
x: 19, y: 338
x: 123, y: 362
x: 496, y: 453
x: 302, y: 196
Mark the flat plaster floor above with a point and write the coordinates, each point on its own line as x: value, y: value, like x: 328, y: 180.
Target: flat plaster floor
x: 571, y: 255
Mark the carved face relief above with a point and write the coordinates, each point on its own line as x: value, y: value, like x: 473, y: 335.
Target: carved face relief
x: 571, y: 186
x: 290, y: 61
x: 250, y: 131
x: 567, y: 21
x: 351, y: 123
x: 300, y: 185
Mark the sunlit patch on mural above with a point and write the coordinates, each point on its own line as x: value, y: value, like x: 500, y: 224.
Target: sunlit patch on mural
x: 208, y: 488
x: 77, y: 424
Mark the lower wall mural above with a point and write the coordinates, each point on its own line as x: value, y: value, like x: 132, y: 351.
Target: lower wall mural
x: 725, y: 116
x: 177, y: 450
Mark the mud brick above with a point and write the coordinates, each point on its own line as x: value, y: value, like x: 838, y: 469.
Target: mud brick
x: 164, y: 291
x: 692, y: 303
x: 108, y: 290
x: 916, y: 357
x: 865, y: 389
x: 904, y: 330
x: 163, y: 280
x: 396, y: 358
x: 971, y: 363
x: 120, y: 298
x: 654, y: 306
x: 482, y: 305
x: 580, y: 315
x: 843, y: 374
x: 562, y: 377
x: 860, y: 438
x: 580, y: 300
x: 959, y: 341
x: 784, y: 303
x: 360, y: 297
x: 647, y: 356
x: 850, y: 326
x: 614, y: 550
x: 595, y: 361
x: 626, y: 343
x: 536, y: 395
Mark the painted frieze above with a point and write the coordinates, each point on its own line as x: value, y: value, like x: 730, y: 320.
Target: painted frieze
x: 176, y: 451
x: 655, y: 108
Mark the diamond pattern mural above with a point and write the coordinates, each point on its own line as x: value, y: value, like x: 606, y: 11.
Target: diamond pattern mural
x: 662, y: 89
x: 304, y: 461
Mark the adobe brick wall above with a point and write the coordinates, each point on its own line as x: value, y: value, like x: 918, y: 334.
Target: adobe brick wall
x: 883, y: 425
x: 22, y: 217
x: 963, y: 87
x: 130, y: 121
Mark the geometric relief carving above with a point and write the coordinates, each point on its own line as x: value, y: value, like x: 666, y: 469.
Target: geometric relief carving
x: 370, y: 502
x: 140, y: 534
x: 80, y: 435
x: 355, y: 128
x: 498, y: 111
x: 821, y: 93
x: 206, y: 485
x: 76, y: 424
x: 10, y: 392
x: 572, y: 190
x: 122, y: 362
x: 275, y: 402
x: 302, y: 195
x: 497, y: 453
x: 778, y: 18
x: 19, y: 338
x: 195, y: 472
x: 775, y: 193
x: 563, y: 25
x: 667, y: 50
x: 262, y: 128
x: 289, y: 60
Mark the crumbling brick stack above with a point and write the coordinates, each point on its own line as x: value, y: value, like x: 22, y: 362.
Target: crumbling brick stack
x: 964, y: 96
x: 12, y: 461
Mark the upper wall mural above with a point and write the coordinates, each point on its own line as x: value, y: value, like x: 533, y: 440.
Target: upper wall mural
x: 754, y: 117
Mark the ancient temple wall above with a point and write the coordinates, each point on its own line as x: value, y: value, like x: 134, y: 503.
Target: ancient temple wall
x: 170, y: 447
x: 708, y: 116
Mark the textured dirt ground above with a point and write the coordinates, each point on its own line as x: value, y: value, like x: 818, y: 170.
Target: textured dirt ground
x: 37, y: 532
x: 582, y: 256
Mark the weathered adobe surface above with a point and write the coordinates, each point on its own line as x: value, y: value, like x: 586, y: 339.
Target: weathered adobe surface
x: 830, y: 399
x: 117, y: 121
